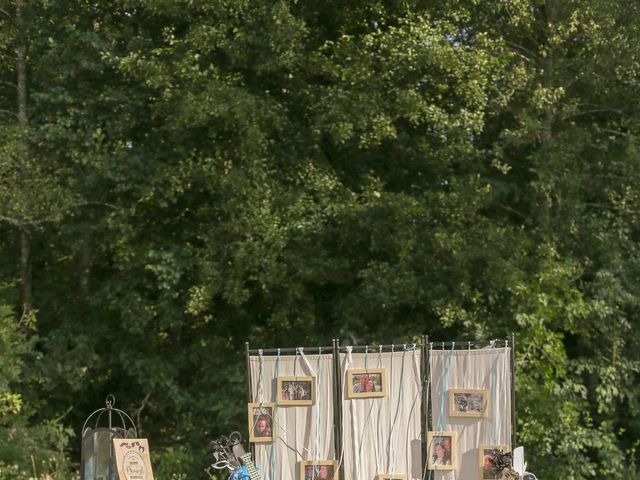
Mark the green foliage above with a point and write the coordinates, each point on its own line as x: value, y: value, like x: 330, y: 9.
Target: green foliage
x: 198, y: 174
x: 26, y: 447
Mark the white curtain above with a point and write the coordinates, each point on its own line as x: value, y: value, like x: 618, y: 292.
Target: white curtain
x: 303, y: 432
x: 382, y: 435
x: 486, y: 369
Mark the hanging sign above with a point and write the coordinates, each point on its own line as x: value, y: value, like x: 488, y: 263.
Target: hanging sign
x: 132, y: 458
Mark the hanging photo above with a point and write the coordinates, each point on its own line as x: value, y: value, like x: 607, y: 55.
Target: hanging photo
x: 487, y: 455
x: 363, y: 383
x: 296, y: 390
x: 468, y: 403
x: 442, y: 450
x: 319, y: 470
x: 391, y: 476
x: 261, y: 422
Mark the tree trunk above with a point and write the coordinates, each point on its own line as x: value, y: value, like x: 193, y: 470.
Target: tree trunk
x: 25, y: 237
x: 25, y: 271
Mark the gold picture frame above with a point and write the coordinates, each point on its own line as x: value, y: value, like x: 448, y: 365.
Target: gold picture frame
x: 366, y: 382
x: 296, y: 390
x: 488, y: 450
x: 319, y: 470
x: 442, y: 450
x: 466, y: 402
x: 262, y: 422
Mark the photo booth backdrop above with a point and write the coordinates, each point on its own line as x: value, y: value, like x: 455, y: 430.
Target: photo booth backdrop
x: 304, y: 432
x: 488, y: 368
x: 382, y: 435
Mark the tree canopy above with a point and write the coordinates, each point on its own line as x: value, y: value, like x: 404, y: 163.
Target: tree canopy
x: 178, y: 177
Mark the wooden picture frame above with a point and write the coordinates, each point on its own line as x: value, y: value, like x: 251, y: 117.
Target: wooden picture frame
x: 296, y: 390
x: 262, y: 422
x: 366, y: 382
x: 488, y: 450
x: 319, y: 470
x: 442, y: 450
x: 465, y: 402
x: 391, y: 476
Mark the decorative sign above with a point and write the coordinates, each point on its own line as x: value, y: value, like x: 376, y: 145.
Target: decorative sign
x: 132, y: 458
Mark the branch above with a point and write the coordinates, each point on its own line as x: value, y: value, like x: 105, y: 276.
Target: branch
x: 98, y: 204
x: 12, y: 221
x: 509, y: 209
x: 6, y: 14
x: 9, y: 83
x: 139, y: 412
x: 9, y: 112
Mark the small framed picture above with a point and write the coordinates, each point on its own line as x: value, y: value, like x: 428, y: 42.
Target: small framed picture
x: 442, y: 450
x: 468, y: 403
x: 319, y: 470
x: 296, y: 390
x: 487, y: 454
x: 369, y: 382
x: 391, y: 476
x: 261, y: 422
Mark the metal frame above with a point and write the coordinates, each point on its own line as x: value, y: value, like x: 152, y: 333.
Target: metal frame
x: 113, y: 431
x: 425, y: 348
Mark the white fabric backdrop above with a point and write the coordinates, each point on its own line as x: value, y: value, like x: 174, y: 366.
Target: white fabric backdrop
x: 382, y: 435
x: 488, y: 369
x: 304, y: 432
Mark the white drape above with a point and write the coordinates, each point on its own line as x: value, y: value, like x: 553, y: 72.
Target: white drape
x: 472, y: 369
x: 382, y: 435
x: 304, y: 432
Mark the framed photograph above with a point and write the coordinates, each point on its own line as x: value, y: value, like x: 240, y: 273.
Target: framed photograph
x: 363, y: 383
x: 296, y: 390
x: 442, y: 450
x: 391, y: 476
x: 319, y: 470
x: 468, y: 403
x: 487, y: 453
x: 261, y: 422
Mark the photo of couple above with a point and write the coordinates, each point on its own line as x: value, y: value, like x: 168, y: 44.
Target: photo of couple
x: 366, y: 383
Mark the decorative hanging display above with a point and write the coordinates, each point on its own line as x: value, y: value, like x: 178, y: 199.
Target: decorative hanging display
x: 472, y: 400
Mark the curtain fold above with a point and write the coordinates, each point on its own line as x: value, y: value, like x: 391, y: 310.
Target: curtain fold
x: 486, y: 369
x: 303, y: 432
x: 382, y: 435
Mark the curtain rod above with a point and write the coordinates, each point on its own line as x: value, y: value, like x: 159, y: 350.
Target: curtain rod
x: 467, y: 343
x: 290, y: 350
x: 373, y: 348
